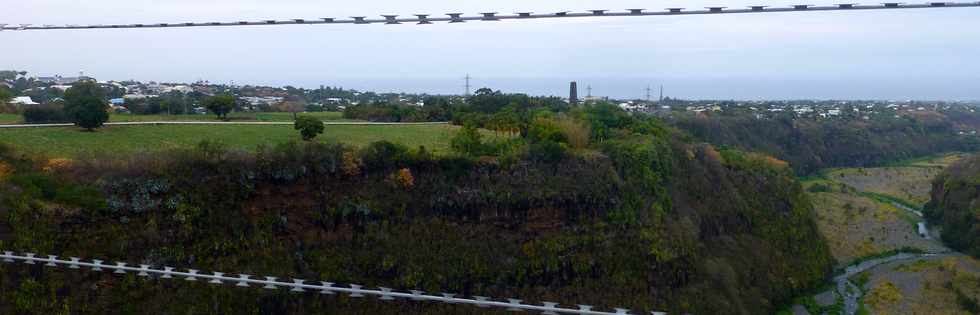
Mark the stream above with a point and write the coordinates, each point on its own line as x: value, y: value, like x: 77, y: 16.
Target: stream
x: 923, y: 229
x: 850, y: 292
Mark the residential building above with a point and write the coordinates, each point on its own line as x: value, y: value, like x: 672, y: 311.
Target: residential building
x: 23, y: 100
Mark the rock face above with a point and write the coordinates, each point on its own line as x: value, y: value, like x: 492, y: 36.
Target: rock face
x: 811, y: 145
x: 954, y: 205
x: 639, y: 224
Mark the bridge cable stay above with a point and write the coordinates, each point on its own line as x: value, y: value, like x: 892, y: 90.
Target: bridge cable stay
x: 426, y: 19
x: 300, y: 285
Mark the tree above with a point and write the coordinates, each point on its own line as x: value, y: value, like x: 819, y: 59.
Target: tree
x: 293, y: 105
x: 468, y: 141
x: 488, y: 101
x: 86, y: 106
x: 8, y: 75
x: 220, y: 104
x: 5, y: 95
x: 308, y: 126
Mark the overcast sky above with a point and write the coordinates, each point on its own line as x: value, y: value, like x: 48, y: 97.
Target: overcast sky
x: 897, y: 54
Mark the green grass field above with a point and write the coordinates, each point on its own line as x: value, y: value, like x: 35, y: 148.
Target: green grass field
x: 71, y: 142
x: 331, y: 116
x: 233, y: 116
x: 9, y: 118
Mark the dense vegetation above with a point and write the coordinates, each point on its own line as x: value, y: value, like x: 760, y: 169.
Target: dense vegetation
x: 809, y: 145
x: 954, y: 204
x: 487, y: 108
x: 592, y: 206
x: 433, y: 109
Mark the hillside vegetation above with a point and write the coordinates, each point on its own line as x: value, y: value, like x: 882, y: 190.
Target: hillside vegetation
x: 954, y: 204
x: 810, y: 145
x: 638, y: 219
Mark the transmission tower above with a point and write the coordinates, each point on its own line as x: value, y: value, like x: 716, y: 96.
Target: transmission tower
x: 467, y: 84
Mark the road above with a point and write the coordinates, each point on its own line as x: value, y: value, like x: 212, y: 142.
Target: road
x: 136, y: 123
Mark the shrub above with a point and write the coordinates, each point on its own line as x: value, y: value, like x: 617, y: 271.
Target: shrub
x: 309, y: 127
x: 38, y: 186
x: 816, y: 188
x: 468, y: 141
x: 546, y: 129
x: 90, y: 114
x: 576, y: 133
x: 383, y: 155
x: 56, y: 165
x: 966, y: 302
x: 211, y: 150
x: 85, y: 105
x: 45, y: 114
x: 402, y: 178
x: 5, y: 171
x: 81, y: 196
x: 546, y: 151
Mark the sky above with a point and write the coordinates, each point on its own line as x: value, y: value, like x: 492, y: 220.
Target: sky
x: 888, y: 54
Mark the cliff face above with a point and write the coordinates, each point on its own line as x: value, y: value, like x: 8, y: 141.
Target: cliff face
x: 811, y: 145
x: 642, y: 224
x: 954, y: 205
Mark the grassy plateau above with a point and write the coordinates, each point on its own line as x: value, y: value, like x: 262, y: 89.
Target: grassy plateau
x: 71, y: 142
x: 236, y: 116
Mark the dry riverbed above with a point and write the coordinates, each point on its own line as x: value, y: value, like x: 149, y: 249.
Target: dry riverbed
x: 866, y: 230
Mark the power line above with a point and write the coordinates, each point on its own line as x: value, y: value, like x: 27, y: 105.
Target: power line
x: 493, y: 16
x: 300, y: 285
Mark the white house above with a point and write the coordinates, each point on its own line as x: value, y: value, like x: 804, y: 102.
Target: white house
x: 23, y: 100
x: 182, y: 89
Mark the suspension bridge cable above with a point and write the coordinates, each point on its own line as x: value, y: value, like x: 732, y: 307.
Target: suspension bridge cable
x: 299, y: 285
x: 494, y: 16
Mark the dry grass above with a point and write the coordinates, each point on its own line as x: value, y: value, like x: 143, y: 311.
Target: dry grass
x: 925, y: 286
x: 857, y: 226
x: 883, y: 294
x: 911, y: 184
x: 577, y: 132
x: 942, y: 161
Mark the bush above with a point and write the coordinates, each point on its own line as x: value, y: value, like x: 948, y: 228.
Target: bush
x: 309, y: 127
x: 577, y: 133
x: 468, y: 141
x: 387, y: 113
x: 91, y: 114
x: 546, y: 151
x: 383, y: 155
x: 45, y: 114
x: 546, y: 129
x: 817, y: 188
x: 37, y: 186
x: 81, y: 196
x: 85, y: 105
